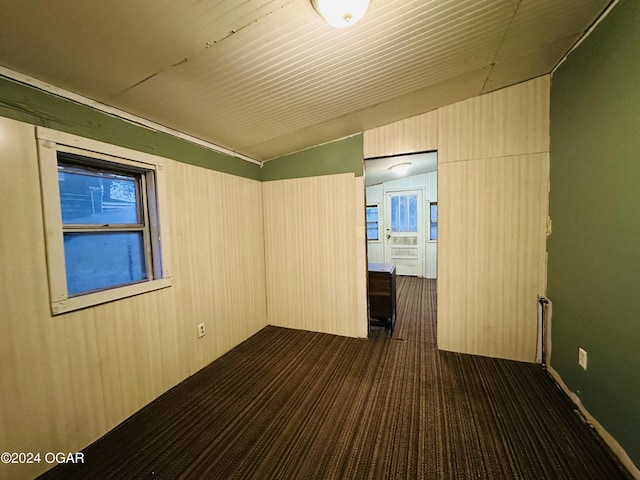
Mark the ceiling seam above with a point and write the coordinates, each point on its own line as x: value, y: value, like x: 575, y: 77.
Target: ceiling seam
x: 495, y: 55
x: 200, y: 51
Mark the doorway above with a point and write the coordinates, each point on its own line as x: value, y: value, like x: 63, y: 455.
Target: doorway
x: 401, y: 220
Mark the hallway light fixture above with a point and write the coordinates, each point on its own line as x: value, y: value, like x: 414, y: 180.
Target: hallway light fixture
x: 400, y: 168
x: 341, y: 13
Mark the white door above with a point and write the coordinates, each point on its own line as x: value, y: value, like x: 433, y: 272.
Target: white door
x: 404, y: 240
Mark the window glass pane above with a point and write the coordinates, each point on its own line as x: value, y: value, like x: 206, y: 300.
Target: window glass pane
x: 101, y: 260
x: 433, y: 216
x: 372, y: 214
x: 403, y: 214
x: 372, y: 223
x: 394, y: 214
x: 413, y: 213
x: 88, y: 197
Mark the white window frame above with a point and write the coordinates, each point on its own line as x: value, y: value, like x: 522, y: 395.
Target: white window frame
x: 50, y: 142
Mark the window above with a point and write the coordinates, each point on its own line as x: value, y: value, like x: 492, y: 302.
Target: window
x: 404, y: 213
x: 433, y: 221
x: 102, y: 221
x: 103, y: 210
x: 372, y: 223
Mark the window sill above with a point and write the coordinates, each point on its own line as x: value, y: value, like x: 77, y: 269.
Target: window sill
x: 93, y: 299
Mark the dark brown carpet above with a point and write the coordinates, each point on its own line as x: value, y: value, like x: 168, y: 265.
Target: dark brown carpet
x: 290, y: 404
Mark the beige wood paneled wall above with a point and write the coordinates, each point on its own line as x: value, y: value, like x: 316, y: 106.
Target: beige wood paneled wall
x: 66, y: 381
x: 493, y: 164
x: 493, y: 178
x: 227, y: 289
x: 511, y: 121
x: 312, y: 264
x: 362, y: 302
x: 492, y: 250
x: 415, y: 134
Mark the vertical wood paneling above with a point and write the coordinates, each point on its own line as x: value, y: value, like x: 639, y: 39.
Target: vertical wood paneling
x: 374, y: 194
x: 362, y: 311
x: 431, y: 252
x: 414, y: 134
x: 511, y: 121
x: 432, y: 186
x: 24, y: 314
x: 375, y: 252
x: 493, y: 196
x: 493, y: 179
x: 492, y: 248
x: 66, y: 381
x: 431, y: 260
x: 312, y: 277
x: 227, y: 291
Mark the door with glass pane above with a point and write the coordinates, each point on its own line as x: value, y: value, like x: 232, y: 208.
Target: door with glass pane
x: 403, y: 235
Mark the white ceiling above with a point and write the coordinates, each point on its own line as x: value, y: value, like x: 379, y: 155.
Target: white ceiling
x: 378, y: 170
x: 270, y: 77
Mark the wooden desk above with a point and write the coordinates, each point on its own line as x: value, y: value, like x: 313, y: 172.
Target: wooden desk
x: 382, y: 294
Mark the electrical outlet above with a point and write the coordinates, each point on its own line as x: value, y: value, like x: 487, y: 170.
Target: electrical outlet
x: 582, y: 358
x: 200, y: 330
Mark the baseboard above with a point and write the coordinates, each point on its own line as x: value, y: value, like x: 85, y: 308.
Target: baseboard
x: 613, y: 444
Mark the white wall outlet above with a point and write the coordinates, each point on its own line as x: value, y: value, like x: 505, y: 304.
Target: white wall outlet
x: 200, y: 330
x: 582, y: 358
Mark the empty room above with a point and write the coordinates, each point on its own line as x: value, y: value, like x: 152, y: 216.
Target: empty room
x: 308, y: 239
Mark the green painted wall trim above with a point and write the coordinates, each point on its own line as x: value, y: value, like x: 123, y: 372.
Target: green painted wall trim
x: 37, y: 107
x: 594, y: 250
x: 341, y: 156
x: 31, y: 105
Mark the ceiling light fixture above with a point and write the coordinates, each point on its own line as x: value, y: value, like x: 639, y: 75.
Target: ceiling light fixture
x: 341, y: 13
x: 400, y: 168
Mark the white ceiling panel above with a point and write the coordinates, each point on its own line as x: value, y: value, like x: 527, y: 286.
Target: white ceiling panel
x: 102, y: 48
x: 269, y: 77
x: 510, y: 70
x: 541, y: 22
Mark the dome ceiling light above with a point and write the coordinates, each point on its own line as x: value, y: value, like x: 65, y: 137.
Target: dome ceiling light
x: 400, y: 168
x: 341, y: 13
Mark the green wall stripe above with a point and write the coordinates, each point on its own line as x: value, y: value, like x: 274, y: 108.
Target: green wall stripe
x: 184, y: 151
x: 32, y: 105
x: 341, y: 156
x: 594, y: 259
